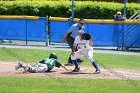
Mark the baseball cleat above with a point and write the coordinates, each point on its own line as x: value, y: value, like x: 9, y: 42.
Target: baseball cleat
x: 97, y: 72
x: 19, y: 65
x: 76, y: 69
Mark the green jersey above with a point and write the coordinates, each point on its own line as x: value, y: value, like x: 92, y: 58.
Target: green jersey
x: 51, y: 63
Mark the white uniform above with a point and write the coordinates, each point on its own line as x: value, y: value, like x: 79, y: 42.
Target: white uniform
x: 38, y: 68
x: 85, y: 49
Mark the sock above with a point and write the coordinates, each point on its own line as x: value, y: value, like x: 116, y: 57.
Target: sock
x: 75, y: 63
x: 95, y: 65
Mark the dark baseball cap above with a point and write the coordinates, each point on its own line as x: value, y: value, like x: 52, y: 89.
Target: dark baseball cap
x: 81, y: 20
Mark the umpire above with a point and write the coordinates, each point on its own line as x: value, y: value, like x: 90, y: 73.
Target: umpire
x: 70, y: 35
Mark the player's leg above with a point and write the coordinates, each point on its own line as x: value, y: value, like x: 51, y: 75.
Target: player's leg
x: 70, y: 41
x: 38, y: 68
x: 22, y: 65
x: 90, y: 57
x: 74, y: 60
x: 78, y: 60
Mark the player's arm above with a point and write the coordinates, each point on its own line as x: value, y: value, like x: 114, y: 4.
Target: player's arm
x: 67, y: 33
x: 58, y: 64
x: 65, y: 36
x: 90, y: 43
x: 64, y: 67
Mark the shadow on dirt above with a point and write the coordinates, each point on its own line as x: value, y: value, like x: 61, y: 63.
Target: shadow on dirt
x: 136, y: 50
x: 75, y: 73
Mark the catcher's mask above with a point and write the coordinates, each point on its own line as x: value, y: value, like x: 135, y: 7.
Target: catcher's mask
x: 53, y: 55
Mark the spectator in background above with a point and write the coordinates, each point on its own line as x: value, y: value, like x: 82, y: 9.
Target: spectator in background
x: 119, y: 17
x: 119, y: 32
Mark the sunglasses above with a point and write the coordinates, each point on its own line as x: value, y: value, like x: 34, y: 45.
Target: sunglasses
x: 81, y: 23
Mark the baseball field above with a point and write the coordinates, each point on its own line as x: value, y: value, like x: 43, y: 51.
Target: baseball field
x: 120, y: 73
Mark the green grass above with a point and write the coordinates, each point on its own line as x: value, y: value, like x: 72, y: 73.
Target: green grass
x: 34, y: 55
x: 119, y: 61
x: 67, y: 85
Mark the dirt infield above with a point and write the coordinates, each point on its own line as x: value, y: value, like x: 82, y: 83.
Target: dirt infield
x: 8, y: 69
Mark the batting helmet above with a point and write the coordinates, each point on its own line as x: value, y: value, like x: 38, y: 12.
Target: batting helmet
x: 53, y: 55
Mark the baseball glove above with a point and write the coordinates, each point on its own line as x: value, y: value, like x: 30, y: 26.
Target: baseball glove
x: 86, y: 36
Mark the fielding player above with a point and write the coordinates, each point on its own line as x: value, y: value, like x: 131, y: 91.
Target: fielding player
x: 84, y: 42
x: 44, y: 65
x: 70, y: 37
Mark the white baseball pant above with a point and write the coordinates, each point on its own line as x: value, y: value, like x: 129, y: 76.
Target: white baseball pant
x: 39, y: 68
x: 87, y: 52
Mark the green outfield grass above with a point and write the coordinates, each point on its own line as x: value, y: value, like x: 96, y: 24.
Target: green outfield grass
x: 34, y: 55
x: 67, y: 85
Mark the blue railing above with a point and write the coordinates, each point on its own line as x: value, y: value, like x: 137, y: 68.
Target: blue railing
x: 104, y: 33
x: 23, y: 29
